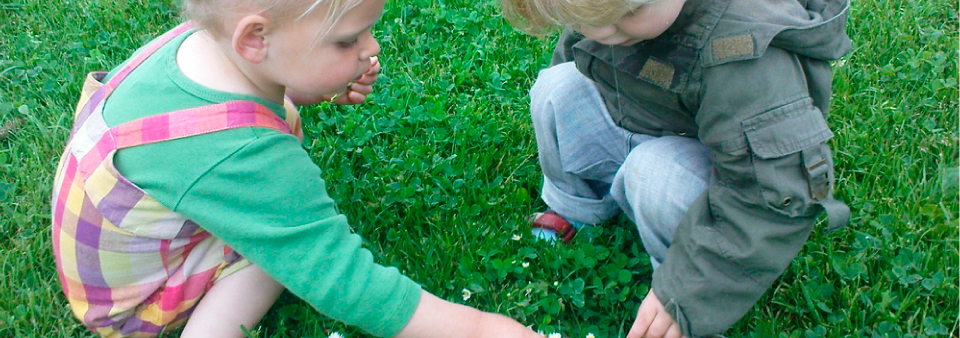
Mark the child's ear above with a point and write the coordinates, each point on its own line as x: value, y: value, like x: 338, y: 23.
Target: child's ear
x: 249, y: 38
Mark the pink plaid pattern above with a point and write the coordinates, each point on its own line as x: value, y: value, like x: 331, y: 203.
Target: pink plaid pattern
x: 128, y: 265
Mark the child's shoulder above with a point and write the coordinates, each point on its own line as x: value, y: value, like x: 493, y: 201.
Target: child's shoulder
x: 746, y: 29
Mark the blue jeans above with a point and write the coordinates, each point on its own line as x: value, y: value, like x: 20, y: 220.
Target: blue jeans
x: 594, y: 169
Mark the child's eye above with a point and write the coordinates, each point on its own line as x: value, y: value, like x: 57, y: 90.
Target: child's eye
x: 347, y: 44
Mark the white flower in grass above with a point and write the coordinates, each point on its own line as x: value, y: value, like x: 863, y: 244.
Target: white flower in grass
x: 554, y: 335
x: 335, y: 335
x: 515, y: 237
x: 466, y: 294
x: 590, y: 335
x: 525, y: 264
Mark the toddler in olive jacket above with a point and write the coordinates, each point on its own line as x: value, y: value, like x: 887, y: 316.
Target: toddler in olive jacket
x: 705, y: 122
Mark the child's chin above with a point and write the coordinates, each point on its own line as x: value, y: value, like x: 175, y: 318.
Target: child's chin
x: 625, y: 43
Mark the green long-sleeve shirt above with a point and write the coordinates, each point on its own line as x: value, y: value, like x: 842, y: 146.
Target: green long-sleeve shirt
x: 258, y: 190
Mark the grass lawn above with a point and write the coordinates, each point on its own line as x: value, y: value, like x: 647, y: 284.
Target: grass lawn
x: 439, y: 171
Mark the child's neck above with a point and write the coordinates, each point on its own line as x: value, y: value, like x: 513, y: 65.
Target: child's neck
x: 202, y: 60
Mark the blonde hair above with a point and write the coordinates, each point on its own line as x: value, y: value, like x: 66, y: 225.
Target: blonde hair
x: 538, y: 17
x: 213, y: 15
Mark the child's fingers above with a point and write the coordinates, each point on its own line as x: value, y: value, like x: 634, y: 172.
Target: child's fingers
x: 356, y: 94
x: 661, y: 325
x: 370, y: 76
x: 641, y: 324
x: 361, y: 88
x: 353, y: 97
x: 350, y: 98
x: 674, y: 331
x: 374, y: 65
x: 638, y: 330
x: 366, y: 78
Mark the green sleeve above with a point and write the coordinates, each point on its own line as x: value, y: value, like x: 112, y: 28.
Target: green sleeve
x: 772, y: 175
x: 259, y: 192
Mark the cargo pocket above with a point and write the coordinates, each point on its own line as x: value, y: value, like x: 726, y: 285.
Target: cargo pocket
x: 790, y: 157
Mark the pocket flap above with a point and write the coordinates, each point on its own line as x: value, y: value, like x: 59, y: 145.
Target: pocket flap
x: 786, y: 130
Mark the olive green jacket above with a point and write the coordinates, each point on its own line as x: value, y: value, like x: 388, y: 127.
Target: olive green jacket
x: 751, y: 80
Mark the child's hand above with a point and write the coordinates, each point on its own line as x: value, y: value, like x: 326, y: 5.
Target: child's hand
x: 363, y: 85
x: 653, y: 321
x: 356, y: 92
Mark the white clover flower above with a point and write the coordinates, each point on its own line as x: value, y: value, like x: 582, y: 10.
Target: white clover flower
x: 556, y: 283
x: 515, y: 237
x: 525, y: 264
x: 335, y: 335
x: 590, y: 335
x: 466, y: 294
x: 554, y: 335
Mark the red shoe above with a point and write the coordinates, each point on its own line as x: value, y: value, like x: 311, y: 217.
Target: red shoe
x: 550, y: 220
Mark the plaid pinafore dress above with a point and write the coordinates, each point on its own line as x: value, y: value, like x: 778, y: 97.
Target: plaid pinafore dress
x: 129, y: 265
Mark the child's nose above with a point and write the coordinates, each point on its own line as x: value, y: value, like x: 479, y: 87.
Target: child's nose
x: 371, y: 48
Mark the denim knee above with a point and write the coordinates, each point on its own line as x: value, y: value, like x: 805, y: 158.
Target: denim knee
x: 553, y: 87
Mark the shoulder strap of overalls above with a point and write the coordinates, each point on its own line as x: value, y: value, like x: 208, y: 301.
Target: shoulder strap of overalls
x: 196, y: 121
x: 182, y: 123
x: 177, y: 124
x: 101, y: 94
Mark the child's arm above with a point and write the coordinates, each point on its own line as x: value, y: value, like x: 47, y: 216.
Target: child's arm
x: 355, y: 94
x: 653, y: 321
x: 436, y: 317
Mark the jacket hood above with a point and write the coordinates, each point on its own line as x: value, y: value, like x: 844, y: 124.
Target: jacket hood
x: 813, y: 28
